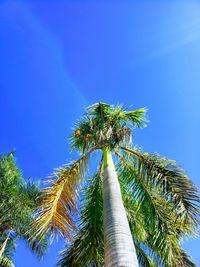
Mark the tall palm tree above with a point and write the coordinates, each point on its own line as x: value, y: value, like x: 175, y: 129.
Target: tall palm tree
x: 136, y: 208
x: 18, y: 199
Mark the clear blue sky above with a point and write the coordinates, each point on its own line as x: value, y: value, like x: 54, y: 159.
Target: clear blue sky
x: 60, y: 56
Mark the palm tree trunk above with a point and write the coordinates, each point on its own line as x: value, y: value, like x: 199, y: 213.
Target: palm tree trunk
x: 3, y: 247
x: 118, y: 242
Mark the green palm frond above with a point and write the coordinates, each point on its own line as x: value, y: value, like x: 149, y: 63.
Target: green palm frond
x: 37, y: 246
x: 164, y: 229
x: 144, y: 259
x: 135, y: 117
x: 17, y: 198
x: 86, y: 248
x: 100, y: 110
x: 6, y: 262
x: 31, y: 190
x: 136, y: 219
x: 10, y: 178
x: 172, y: 181
x: 170, y: 253
x: 32, y: 195
x: 142, y: 195
x: 138, y: 225
x: 142, y: 218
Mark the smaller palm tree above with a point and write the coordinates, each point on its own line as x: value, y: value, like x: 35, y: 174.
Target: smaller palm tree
x: 18, y: 199
x: 136, y: 208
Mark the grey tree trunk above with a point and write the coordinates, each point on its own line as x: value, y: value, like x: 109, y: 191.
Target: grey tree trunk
x: 118, y: 242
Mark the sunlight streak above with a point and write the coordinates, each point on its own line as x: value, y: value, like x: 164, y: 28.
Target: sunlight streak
x: 15, y: 10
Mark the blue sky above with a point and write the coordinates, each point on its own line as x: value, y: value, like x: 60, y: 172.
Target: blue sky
x: 58, y: 57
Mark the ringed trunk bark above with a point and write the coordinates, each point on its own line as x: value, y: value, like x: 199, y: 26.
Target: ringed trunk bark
x: 118, y: 242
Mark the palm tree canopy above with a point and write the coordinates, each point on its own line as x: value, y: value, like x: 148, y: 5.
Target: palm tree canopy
x: 18, y: 199
x: 161, y: 202
x: 104, y: 125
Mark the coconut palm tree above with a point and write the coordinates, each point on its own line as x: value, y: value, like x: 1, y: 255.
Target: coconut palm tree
x: 136, y: 208
x: 18, y: 199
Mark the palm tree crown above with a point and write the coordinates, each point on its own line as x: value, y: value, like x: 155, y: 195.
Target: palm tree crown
x: 106, y: 126
x: 18, y: 199
x: 161, y: 203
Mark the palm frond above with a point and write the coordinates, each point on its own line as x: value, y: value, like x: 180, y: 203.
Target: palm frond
x: 37, y: 246
x: 6, y: 262
x: 143, y: 214
x: 172, y: 181
x: 184, y: 260
x: 136, y: 117
x: 102, y: 110
x: 144, y: 259
x: 86, y: 248
x: 58, y: 201
x: 142, y: 195
x: 136, y: 219
x: 161, y: 228
x: 17, y: 196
